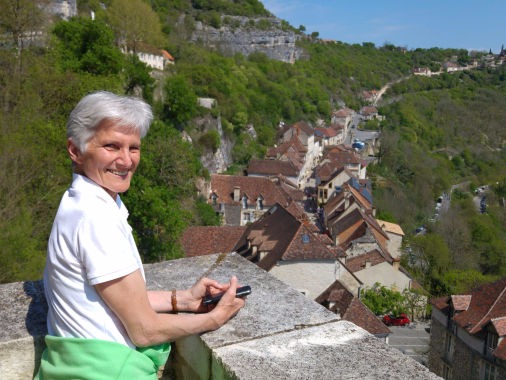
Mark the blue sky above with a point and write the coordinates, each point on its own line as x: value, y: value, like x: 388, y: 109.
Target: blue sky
x: 466, y: 24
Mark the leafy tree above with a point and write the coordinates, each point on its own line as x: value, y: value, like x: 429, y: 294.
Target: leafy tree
x: 206, y: 216
x: 180, y: 100
x: 382, y: 300
x: 84, y: 45
x: 462, y: 281
x: 18, y: 17
x: 137, y: 76
x: 161, y: 196
x: 134, y: 22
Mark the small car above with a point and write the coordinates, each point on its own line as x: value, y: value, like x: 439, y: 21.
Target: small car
x: 359, y: 145
x: 400, y: 320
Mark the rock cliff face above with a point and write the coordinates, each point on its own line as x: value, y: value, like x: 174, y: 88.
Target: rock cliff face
x: 219, y: 161
x: 244, y: 38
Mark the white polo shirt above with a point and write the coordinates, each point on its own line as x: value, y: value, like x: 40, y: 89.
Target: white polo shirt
x: 91, y: 242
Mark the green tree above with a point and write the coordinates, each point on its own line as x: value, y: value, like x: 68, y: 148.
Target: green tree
x: 134, y: 22
x: 137, y: 76
x: 84, y: 45
x: 382, y: 300
x: 180, y: 103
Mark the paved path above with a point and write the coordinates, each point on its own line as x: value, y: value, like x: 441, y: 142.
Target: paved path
x: 411, y: 340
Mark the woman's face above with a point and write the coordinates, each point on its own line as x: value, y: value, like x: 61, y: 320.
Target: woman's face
x: 111, y: 157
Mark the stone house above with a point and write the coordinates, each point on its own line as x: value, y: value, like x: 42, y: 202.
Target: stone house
x: 273, y: 168
x: 395, y: 236
x: 369, y: 113
x: 305, y: 134
x: 294, y: 152
x: 370, y: 96
x: 325, y: 136
x: 345, y: 156
x: 423, y: 71
x: 343, y: 116
x: 377, y: 267
x: 155, y: 58
x: 329, y: 179
x: 468, y: 334
x: 243, y: 199
x: 351, y: 195
x: 295, y: 252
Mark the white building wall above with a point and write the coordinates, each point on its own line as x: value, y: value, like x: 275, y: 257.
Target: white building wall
x: 309, y: 277
x: 394, y: 245
x: 386, y: 275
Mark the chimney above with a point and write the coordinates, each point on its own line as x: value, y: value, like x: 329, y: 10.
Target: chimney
x: 237, y: 193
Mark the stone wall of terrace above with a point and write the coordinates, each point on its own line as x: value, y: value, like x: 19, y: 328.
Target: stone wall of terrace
x: 280, y: 334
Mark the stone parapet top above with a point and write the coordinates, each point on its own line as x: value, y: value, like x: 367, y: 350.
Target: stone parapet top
x: 279, y: 334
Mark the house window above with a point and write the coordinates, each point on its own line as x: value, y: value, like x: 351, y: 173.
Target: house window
x: 260, y: 203
x: 247, y: 218
x: 244, y: 201
x: 214, y: 197
x: 447, y: 372
x: 488, y: 371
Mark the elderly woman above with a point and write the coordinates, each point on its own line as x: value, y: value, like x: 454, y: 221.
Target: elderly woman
x: 102, y: 322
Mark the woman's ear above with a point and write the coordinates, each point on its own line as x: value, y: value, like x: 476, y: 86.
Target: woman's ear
x: 74, y: 152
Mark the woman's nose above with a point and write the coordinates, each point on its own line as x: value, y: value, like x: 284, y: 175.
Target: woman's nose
x: 125, y: 157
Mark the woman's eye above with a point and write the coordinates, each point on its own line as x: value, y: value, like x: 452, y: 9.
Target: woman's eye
x: 110, y: 146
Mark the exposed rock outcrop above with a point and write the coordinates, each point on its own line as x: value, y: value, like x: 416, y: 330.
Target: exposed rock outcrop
x: 244, y: 38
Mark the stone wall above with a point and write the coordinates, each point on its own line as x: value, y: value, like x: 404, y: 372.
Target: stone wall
x: 280, y: 334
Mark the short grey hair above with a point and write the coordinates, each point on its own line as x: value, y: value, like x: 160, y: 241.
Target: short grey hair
x: 93, y: 109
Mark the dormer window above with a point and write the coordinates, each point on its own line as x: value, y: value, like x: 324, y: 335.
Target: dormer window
x: 244, y: 201
x: 214, y: 198
x: 260, y: 203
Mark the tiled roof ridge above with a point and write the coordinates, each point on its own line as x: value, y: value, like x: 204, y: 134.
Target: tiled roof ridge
x: 483, y: 319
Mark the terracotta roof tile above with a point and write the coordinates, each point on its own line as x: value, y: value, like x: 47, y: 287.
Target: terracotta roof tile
x: 461, y: 303
x: 325, y: 132
x: 499, y: 325
x: 487, y: 305
x: 343, y: 112
x: 272, y: 167
x: 358, y: 263
x: 206, y: 240
x: 390, y: 227
x: 341, y: 301
x: 281, y: 236
x: 252, y: 187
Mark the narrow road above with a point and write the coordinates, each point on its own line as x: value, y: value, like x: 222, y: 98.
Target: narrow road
x: 412, y: 340
x: 386, y: 87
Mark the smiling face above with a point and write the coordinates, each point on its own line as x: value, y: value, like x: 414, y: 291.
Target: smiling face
x: 111, y: 157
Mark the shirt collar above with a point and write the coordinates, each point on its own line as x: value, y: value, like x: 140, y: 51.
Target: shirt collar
x: 84, y: 184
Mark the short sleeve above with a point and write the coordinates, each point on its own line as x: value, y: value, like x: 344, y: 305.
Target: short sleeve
x: 106, y: 248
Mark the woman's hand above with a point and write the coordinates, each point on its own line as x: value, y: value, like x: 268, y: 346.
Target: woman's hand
x: 203, y: 287
x: 228, y: 306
